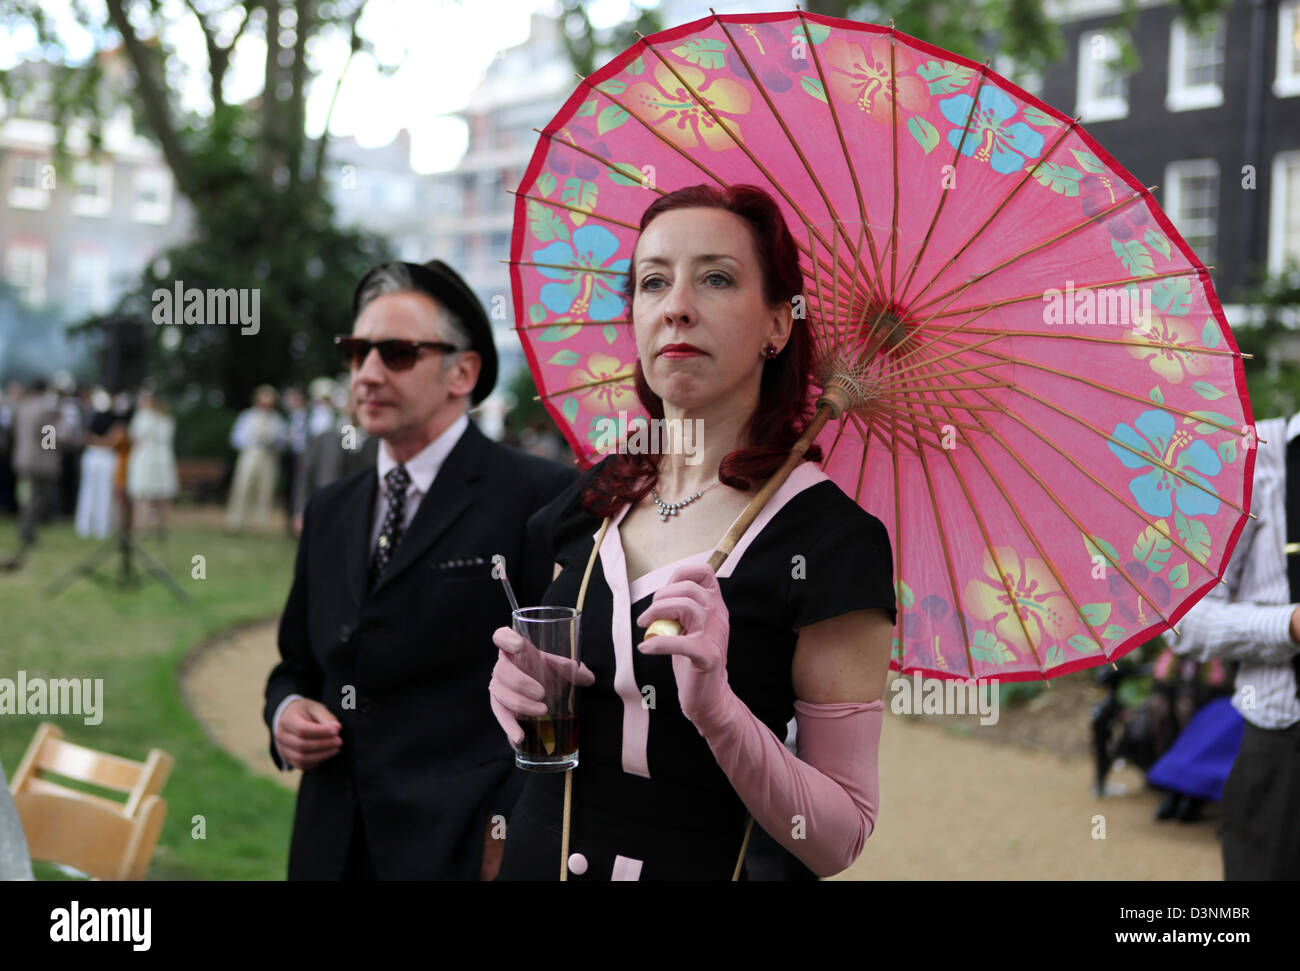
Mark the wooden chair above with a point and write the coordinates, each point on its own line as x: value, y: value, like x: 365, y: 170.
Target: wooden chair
x: 102, y: 838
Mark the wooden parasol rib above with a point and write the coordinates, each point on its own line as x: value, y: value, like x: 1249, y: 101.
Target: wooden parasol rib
x: 1038, y: 294
x: 673, y: 146
x: 1029, y: 426
x: 725, y: 127
x: 848, y: 159
x: 992, y: 433
x: 1150, y: 459
x: 1064, y: 234
x: 1034, y: 365
x: 943, y: 197
x: 794, y: 144
x: 1033, y: 538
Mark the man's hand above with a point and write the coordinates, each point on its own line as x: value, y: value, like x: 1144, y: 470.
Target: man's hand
x: 1295, y: 625
x: 308, y: 734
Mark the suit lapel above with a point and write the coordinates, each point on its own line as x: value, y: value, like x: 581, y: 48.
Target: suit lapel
x: 357, y: 534
x: 450, y: 495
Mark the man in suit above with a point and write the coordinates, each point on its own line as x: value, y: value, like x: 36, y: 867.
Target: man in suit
x: 386, y: 639
x: 38, y: 459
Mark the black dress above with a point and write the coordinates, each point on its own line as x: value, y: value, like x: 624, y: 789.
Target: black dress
x: 649, y: 800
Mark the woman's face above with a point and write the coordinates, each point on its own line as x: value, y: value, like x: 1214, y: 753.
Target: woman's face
x: 698, y: 282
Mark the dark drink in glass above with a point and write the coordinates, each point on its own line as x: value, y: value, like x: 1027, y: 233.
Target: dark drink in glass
x: 550, y: 742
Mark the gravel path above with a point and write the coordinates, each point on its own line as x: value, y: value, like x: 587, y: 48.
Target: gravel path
x: 957, y: 801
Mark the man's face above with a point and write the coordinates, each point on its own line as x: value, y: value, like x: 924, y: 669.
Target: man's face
x: 398, y: 405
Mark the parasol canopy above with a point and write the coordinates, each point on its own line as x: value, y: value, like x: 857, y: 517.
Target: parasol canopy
x: 1049, y: 410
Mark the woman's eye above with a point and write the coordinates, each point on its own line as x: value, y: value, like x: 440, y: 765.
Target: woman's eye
x: 718, y: 280
x: 650, y: 283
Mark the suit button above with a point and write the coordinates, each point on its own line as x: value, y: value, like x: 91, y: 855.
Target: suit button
x: 345, y: 634
x: 577, y: 864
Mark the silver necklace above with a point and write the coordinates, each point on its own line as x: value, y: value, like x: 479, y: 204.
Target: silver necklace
x: 667, y: 509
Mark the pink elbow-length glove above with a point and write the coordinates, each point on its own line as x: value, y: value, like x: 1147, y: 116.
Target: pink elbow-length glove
x: 821, y: 806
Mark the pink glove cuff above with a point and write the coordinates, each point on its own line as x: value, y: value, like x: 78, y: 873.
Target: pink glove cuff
x: 821, y: 806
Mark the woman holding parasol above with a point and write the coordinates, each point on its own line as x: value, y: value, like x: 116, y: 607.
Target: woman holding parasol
x: 681, y: 735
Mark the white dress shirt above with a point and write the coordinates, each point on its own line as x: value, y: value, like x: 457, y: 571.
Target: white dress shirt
x: 1248, y: 618
x: 423, y: 468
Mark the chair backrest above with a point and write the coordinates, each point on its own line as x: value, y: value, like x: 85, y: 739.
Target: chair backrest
x: 103, y: 838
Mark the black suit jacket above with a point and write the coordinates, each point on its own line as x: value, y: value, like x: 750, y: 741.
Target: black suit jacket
x: 405, y: 667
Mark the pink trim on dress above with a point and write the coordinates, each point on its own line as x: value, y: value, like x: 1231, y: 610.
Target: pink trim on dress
x: 803, y: 476
x: 636, y: 717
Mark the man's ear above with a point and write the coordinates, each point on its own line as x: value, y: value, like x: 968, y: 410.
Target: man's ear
x: 464, y: 373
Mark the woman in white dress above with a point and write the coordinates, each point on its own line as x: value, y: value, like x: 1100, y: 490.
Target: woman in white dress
x: 95, y: 506
x: 151, y: 481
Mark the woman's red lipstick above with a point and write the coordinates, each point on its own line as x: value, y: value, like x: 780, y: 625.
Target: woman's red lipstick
x: 680, y: 350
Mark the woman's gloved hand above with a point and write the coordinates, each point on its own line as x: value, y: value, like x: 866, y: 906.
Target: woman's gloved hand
x: 693, y: 598
x: 524, y: 677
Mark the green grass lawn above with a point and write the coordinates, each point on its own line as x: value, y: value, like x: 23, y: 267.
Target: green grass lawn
x: 135, y: 639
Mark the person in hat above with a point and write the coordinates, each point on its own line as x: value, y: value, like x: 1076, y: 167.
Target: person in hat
x: 378, y: 695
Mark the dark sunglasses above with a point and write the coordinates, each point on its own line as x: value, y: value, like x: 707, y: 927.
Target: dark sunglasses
x: 397, y: 355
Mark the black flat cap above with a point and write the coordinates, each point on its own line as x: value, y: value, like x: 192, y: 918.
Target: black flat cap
x: 443, y: 284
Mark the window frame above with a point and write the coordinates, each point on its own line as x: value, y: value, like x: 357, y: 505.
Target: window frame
x: 98, y: 205
x: 1175, y: 172
x: 1279, y: 206
x: 27, y: 197
x: 1181, y: 96
x: 1089, y: 106
x: 1286, y: 82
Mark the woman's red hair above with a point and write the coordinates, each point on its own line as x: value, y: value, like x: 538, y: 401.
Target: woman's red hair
x: 783, y: 406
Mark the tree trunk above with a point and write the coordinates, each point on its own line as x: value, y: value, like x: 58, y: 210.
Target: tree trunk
x: 154, y: 97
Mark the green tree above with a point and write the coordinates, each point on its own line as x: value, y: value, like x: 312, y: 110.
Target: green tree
x: 253, y: 177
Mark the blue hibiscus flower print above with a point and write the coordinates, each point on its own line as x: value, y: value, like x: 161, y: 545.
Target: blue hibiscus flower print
x: 1158, y: 490
x: 1005, y: 147
x: 595, y: 296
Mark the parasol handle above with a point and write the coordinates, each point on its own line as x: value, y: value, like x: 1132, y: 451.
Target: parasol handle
x: 827, y: 408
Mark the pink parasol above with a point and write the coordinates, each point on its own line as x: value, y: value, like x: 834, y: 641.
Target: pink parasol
x: 1023, y: 370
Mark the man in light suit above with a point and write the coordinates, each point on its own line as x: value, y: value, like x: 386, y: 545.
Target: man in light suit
x: 386, y: 639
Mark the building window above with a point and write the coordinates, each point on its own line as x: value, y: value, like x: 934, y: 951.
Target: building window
x: 153, y: 196
x: 91, y: 190
x: 30, y: 182
x: 1287, y: 82
x: 1284, y: 213
x: 88, y: 281
x: 1196, y: 65
x: 25, y: 269
x: 1192, y: 202
x: 1103, y: 87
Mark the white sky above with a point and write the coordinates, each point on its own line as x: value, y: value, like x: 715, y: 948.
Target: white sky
x: 442, y: 47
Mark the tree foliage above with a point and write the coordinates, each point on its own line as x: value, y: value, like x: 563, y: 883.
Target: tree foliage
x: 253, y: 178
